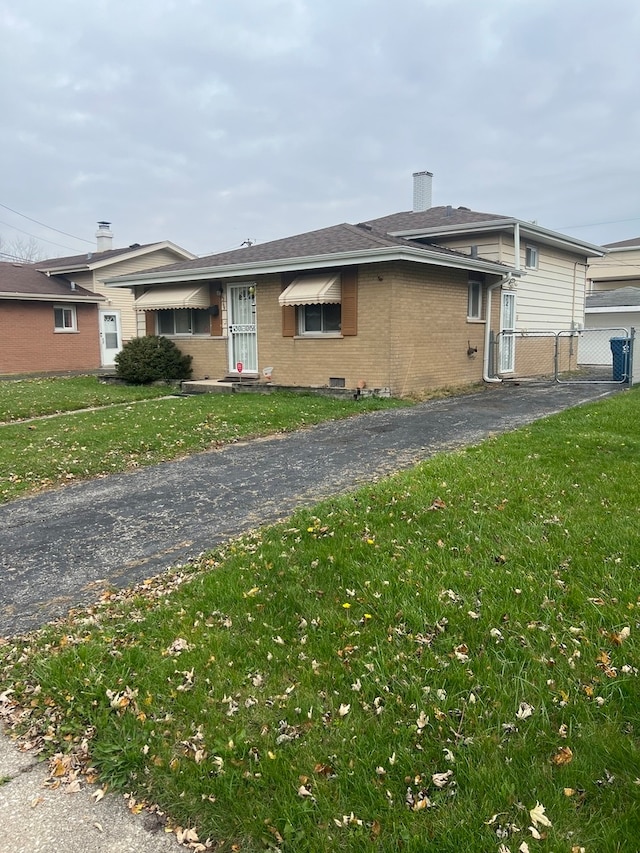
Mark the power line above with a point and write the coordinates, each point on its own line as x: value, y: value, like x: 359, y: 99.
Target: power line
x: 595, y: 224
x: 49, y: 227
x: 33, y: 236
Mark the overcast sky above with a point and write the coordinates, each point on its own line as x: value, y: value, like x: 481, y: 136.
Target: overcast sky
x: 209, y: 122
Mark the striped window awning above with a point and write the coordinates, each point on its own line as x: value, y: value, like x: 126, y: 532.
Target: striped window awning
x: 313, y: 290
x: 184, y: 296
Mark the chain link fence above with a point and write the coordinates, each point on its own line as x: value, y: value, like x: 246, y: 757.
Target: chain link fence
x: 585, y: 355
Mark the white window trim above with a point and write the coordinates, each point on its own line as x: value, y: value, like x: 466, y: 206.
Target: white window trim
x: 65, y: 330
x: 304, y: 334
x: 473, y: 283
x: 534, y: 254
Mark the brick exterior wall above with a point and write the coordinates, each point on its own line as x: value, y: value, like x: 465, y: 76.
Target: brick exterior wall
x: 412, y: 335
x: 29, y: 344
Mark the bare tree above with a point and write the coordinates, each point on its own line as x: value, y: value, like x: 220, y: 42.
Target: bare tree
x: 21, y: 250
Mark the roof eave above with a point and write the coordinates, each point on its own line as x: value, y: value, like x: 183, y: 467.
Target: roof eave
x: 368, y: 256
x: 612, y: 309
x: 50, y: 297
x: 116, y: 259
x: 553, y: 238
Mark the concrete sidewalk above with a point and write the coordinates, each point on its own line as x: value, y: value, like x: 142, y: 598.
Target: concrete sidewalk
x: 34, y: 819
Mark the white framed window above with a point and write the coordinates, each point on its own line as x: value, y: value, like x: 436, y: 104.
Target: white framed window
x: 474, y: 300
x: 531, y: 257
x: 320, y: 319
x: 183, y: 321
x: 64, y: 318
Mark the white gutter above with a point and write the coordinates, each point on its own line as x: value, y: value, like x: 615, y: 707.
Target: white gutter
x: 50, y: 297
x: 614, y: 309
x: 487, y: 330
x: 222, y: 271
x: 516, y: 244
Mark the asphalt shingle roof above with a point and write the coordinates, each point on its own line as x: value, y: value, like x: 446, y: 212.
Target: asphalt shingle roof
x: 434, y: 217
x: 619, y: 298
x: 25, y: 278
x: 87, y: 258
x: 623, y: 244
x: 326, y: 241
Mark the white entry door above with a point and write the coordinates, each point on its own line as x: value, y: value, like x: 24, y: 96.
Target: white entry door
x: 507, y: 338
x: 243, y: 341
x: 110, y: 337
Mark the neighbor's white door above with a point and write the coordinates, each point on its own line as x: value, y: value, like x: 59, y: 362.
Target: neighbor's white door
x: 507, y: 338
x: 243, y: 339
x: 110, y: 337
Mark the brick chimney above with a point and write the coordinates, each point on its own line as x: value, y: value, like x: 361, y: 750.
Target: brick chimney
x: 422, y: 191
x: 104, y: 237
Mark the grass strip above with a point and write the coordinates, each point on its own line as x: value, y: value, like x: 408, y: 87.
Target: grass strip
x: 445, y: 661
x: 46, y: 453
x: 32, y: 398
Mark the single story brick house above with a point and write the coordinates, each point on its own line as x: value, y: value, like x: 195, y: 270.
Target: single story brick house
x: 402, y: 304
x: 46, y: 320
x: 57, y: 315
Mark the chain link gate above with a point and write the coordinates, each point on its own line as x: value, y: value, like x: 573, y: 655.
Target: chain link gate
x: 584, y: 355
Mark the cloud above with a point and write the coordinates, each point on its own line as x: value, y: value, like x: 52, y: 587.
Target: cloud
x: 264, y: 118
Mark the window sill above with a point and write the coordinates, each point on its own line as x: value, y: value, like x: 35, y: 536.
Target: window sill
x: 65, y: 331
x: 320, y: 336
x: 476, y: 320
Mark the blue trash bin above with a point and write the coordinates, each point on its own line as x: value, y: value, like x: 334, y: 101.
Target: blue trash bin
x: 620, y: 351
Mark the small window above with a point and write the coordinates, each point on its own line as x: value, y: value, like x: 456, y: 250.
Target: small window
x: 183, y: 321
x: 531, y: 257
x: 319, y: 319
x: 64, y: 318
x: 474, y: 300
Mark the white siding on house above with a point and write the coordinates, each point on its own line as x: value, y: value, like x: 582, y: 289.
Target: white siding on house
x: 616, y: 268
x: 594, y: 347
x: 121, y: 298
x: 549, y: 298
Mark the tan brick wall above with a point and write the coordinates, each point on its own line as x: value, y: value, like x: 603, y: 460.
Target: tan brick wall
x: 430, y: 333
x: 28, y: 343
x: 413, y: 335
x: 209, y: 356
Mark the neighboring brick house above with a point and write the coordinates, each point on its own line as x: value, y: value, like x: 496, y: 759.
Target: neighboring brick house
x: 47, y: 323
x: 400, y: 303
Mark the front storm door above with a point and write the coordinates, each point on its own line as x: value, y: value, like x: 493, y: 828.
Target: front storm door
x: 110, y: 337
x: 243, y: 341
x: 507, y: 337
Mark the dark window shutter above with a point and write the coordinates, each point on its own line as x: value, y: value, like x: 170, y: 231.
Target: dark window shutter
x: 150, y: 322
x: 215, y: 329
x: 288, y: 311
x: 350, y: 302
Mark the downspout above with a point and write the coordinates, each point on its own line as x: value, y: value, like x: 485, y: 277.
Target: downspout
x: 487, y: 329
x: 516, y: 246
x: 504, y: 280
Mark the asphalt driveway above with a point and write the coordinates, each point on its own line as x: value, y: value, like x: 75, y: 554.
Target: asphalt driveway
x: 62, y: 547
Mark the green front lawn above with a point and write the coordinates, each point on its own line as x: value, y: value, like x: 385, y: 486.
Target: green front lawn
x: 53, y: 451
x: 445, y: 661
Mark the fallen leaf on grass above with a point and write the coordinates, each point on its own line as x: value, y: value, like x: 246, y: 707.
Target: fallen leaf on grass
x: 618, y: 638
x: 538, y: 817
x: 524, y: 710
x: 441, y: 780
x: 563, y: 756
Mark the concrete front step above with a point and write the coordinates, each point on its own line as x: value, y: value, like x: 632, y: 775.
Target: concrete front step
x: 215, y: 386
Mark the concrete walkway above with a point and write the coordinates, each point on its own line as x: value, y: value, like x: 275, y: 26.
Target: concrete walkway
x: 62, y: 547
